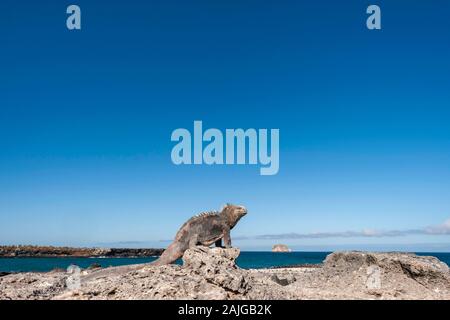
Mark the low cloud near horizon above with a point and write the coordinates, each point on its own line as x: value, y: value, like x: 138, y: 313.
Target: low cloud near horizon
x: 441, y: 229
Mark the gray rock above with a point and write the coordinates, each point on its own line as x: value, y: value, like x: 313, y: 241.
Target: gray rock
x: 217, y: 266
x: 283, y: 280
x: 212, y: 274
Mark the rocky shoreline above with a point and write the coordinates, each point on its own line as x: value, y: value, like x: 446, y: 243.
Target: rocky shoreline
x: 212, y: 274
x: 54, y: 252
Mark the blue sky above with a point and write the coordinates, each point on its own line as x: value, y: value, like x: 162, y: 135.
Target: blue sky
x: 86, y: 118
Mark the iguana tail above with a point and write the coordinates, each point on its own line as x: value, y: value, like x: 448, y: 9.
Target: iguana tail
x: 112, y: 271
x: 170, y: 255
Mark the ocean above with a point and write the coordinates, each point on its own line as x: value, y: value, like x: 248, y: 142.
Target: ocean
x: 246, y: 260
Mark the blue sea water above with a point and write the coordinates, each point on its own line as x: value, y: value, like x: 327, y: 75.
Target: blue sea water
x: 246, y: 260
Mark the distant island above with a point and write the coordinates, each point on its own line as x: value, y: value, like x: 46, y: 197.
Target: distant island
x: 23, y: 251
x: 280, y: 248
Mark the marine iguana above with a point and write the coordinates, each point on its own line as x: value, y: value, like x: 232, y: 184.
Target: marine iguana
x: 204, y: 229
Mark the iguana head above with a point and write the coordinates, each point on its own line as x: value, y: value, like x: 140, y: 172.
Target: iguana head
x: 233, y: 213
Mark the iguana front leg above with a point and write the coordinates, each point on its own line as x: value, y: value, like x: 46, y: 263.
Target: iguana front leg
x: 227, y: 238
